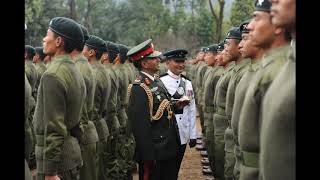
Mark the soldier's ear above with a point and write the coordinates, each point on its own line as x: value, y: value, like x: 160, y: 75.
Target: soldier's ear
x: 59, y: 41
x: 278, y: 30
x: 92, y: 52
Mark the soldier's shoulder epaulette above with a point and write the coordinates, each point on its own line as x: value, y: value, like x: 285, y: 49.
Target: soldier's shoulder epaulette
x: 185, y: 77
x: 165, y: 74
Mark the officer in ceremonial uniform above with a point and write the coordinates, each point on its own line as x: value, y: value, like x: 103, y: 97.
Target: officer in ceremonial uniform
x: 178, y: 87
x: 151, y: 117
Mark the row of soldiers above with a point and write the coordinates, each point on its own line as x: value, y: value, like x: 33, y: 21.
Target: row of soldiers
x: 76, y: 122
x: 245, y: 96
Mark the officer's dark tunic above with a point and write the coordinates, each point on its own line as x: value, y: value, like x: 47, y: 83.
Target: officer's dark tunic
x: 156, y: 141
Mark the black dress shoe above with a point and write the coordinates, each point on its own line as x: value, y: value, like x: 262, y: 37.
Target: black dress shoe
x: 200, y: 147
x: 204, y: 153
x: 210, y: 178
x: 205, y: 167
x: 199, y: 141
x: 205, y: 162
x: 207, y: 171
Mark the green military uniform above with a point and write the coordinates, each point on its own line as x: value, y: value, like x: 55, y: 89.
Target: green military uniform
x: 278, y: 129
x: 122, y: 105
x: 239, y: 70
x: 101, y: 95
x: 130, y: 71
x: 220, y: 121
x: 89, y: 151
x: 201, y: 70
x: 28, y: 142
x: 134, y: 71
x: 48, y: 64
x: 61, y: 96
x: 28, y: 133
x: 113, y: 124
x: 208, y: 98
x: 31, y: 72
x: 237, y: 105
x: 250, y: 120
x: 41, y: 68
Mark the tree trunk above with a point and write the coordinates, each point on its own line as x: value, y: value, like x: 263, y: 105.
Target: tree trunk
x: 73, y: 11
x: 218, y: 19
x: 87, y: 17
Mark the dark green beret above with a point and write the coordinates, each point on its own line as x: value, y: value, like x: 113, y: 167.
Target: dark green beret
x: 123, y: 52
x: 85, y: 32
x: 123, y: 49
x: 221, y: 46
x: 178, y: 54
x: 39, y: 50
x: 243, y: 26
x: 203, y: 49
x: 212, y: 48
x: 67, y: 28
x: 96, y: 43
x: 112, y: 47
x: 263, y: 5
x: 234, y: 33
x: 30, y: 50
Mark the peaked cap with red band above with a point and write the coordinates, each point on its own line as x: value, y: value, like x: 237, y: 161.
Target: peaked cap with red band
x: 144, y: 49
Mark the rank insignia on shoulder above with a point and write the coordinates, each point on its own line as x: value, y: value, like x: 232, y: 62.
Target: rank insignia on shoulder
x: 147, y: 81
x: 154, y: 89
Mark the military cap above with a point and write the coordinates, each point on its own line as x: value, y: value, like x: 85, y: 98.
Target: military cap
x: 85, y: 32
x: 234, y: 33
x: 203, y: 49
x: 212, y: 48
x: 30, y: 50
x: 123, y: 51
x: 221, y: 46
x: 112, y: 47
x: 243, y: 26
x: 263, y: 5
x: 178, y: 54
x: 143, y: 50
x: 39, y: 50
x: 96, y: 43
x: 67, y: 28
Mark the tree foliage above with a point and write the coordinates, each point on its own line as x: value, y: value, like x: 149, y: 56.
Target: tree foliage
x: 171, y: 24
x: 241, y: 10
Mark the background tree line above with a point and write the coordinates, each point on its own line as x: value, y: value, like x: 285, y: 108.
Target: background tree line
x: 188, y: 24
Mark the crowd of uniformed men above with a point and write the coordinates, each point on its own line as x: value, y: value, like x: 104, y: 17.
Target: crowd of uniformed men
x: 77, y: 98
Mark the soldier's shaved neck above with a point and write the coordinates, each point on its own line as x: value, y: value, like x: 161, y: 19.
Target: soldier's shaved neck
x: 75, y: 53
x: 257, y: 56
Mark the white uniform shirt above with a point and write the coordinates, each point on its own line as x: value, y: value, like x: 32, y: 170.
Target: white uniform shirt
x: 186, y: 121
